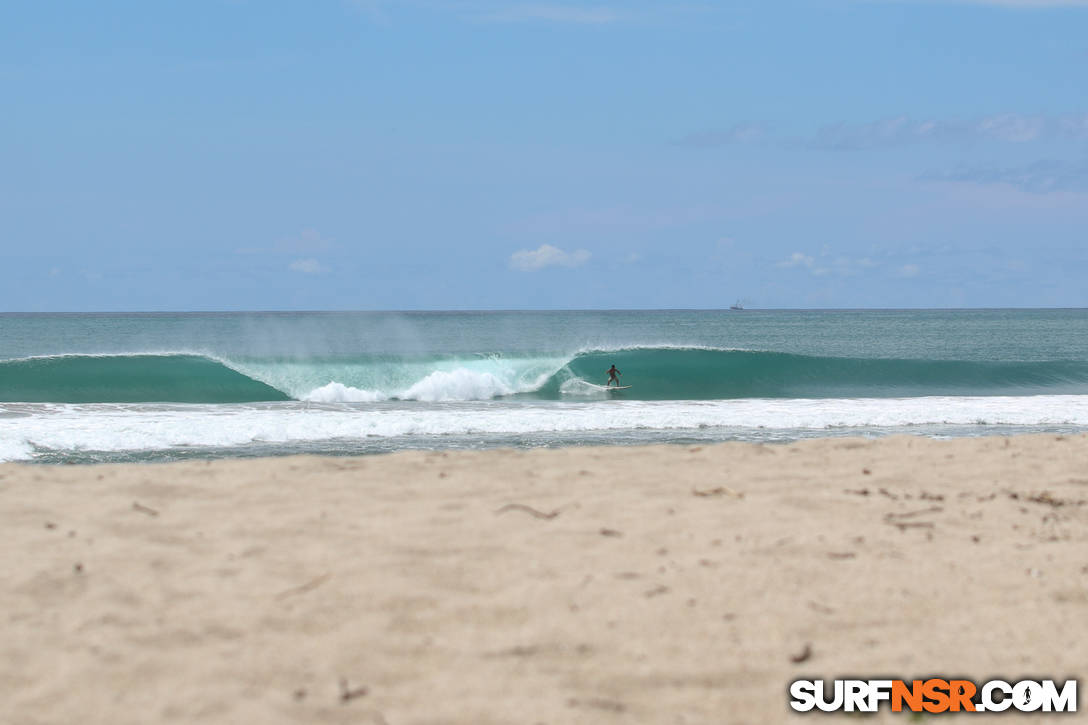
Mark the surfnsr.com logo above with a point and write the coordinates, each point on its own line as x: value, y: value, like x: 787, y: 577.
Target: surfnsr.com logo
x: 934, y: 695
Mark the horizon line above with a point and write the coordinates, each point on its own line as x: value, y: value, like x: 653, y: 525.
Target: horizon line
x: 524, y: 309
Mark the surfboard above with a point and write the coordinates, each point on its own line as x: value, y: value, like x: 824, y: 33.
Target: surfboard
x: 617, y: 387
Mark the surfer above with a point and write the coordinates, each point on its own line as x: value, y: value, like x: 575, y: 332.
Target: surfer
x: 612, y: 373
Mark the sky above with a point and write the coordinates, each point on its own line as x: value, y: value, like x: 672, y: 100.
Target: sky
x: 477, y: 154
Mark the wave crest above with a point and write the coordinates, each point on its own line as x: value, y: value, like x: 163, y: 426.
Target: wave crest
x: 340, y: 393
x: 655, y: 373
x: 138, y: 378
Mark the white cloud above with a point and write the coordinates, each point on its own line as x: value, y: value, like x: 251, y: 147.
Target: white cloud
x: 840, y: 265
x: 307, y: 266
x: 909, y: 270
x: 798, y: 259
x: 901, y: 130
x: 528, y: 260
x: 1011, y: 127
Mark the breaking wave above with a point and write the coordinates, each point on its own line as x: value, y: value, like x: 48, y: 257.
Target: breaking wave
x: 654, y: 373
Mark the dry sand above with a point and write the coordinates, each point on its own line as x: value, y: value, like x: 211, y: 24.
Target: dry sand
x: 594, y: 585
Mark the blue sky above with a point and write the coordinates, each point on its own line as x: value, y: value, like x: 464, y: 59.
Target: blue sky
x: 471, y: 154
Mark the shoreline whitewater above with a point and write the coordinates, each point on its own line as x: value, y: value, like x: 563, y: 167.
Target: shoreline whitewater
x: 656, y: 584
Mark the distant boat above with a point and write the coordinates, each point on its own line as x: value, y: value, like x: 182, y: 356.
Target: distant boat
x: 736, y: 306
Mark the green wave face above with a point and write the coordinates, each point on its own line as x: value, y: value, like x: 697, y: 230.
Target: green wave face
x: 654, y: 373
x: 687, y: 374
x: 128, y: 379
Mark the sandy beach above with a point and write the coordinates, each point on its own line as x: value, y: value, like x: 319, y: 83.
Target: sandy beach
x: 582, y: 585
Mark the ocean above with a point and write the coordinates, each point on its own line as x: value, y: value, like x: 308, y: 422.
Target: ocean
x: 82, y: 388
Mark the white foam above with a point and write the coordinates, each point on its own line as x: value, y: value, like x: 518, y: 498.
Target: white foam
x: 15, y: 450
x: 340, y: 393
x: 134, y: 427
x: 477, y: 378
x: 460, y: 384
x: 583, y: 389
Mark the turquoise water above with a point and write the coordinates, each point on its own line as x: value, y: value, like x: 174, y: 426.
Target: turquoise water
x: 163, y: 386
